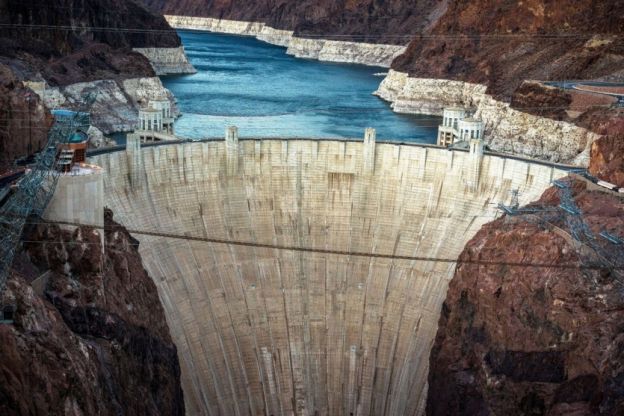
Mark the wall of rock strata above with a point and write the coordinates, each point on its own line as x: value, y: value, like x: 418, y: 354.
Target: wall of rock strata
x: 321, y: 49
x: 116, y: 102
x: 167, y: 61
x: 506, y: 129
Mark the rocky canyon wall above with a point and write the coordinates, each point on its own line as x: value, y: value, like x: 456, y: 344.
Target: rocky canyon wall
x: 502, y: 43
x: 506, y: 129
x: 534, y: 340
x: 89, y: 334
x: 167, y: 61
x: 265, y: 328
x: 368, y: 21
x: 116, y: 102
x: 63, y: 45
x: 321, y: 49
x: 340, y: 51
x: 22, y: 115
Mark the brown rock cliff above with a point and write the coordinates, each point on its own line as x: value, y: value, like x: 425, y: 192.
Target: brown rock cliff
x: 24, y: 121
x: 65, y: 42
x: 96, y: 341
x: 532, y: 340
x: 502, y: 43
x: 391, y: 21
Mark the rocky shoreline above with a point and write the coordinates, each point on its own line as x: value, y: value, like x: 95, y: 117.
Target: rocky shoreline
x: 321, y: 49
x: 506, y: 129
x: 89, y: 333
x: 116, y: 104
x: 167, y: 61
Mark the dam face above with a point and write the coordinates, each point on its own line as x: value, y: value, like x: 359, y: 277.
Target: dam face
x: 264, y: 330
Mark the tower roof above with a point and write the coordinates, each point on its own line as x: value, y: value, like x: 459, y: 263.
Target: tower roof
x: 78, y: 137
x: 149, y: 110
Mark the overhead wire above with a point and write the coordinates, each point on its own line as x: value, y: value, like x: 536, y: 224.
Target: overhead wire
x: 232, y: 242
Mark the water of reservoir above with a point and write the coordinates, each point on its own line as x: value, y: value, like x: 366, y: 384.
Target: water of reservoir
x: 253, y: 85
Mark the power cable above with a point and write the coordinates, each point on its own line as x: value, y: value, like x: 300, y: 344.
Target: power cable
x: 323, y: 251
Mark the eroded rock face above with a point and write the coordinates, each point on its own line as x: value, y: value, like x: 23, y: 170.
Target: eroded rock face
x: 512, y: 41
x: 63, y: 44
x: 65, y: 47
x: 607, y: 159
x: 116, y: 103
x: 363, y: 21
x: 506, y: 129
x: 95, y: 341
x: 515, y: 340
x: 67, y: 26
x: 541, y: 100
x: 324, y: 50
x: 607, y: 153
x: 24, y: 121
x: 167, y: 61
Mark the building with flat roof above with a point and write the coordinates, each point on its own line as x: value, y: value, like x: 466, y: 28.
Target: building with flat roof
x: 163, y: 104
x: 458, y: 124
x: 155, y: 120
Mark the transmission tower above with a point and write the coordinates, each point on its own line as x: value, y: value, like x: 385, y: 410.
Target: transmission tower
x: 568, y: 212
x: 34, y: 189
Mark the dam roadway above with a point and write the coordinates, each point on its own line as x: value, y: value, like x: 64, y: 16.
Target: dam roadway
x: 263, y: 330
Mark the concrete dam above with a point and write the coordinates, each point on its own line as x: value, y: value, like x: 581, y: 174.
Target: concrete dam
x: 298, y: 320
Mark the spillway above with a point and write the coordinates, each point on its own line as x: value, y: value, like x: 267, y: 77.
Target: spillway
x: 269, y: 330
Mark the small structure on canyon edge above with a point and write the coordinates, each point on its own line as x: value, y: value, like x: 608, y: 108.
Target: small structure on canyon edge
x: 6, y: 314
x: 73, y: 151
x: 79, y: 192
x: 458, y: 125
x: 163, y: 104
x: 155, y: 120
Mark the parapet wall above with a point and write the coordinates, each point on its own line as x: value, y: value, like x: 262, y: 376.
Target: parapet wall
x: 264, y: 330
x: 321, y: 49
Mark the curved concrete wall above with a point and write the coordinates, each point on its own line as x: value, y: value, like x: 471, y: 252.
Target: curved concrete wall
x: 506, y: 129
x: 278, y: 332
x: 78, y: 198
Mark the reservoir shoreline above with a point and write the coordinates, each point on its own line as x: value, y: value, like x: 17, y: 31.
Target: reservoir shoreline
x: 266, y: 93
x: 506, y: 129
x: 321, y: 49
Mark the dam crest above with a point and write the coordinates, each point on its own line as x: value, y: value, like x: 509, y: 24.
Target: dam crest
x: 266, y: 329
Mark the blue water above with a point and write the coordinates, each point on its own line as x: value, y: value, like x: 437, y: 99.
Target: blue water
x: 266, y: 93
